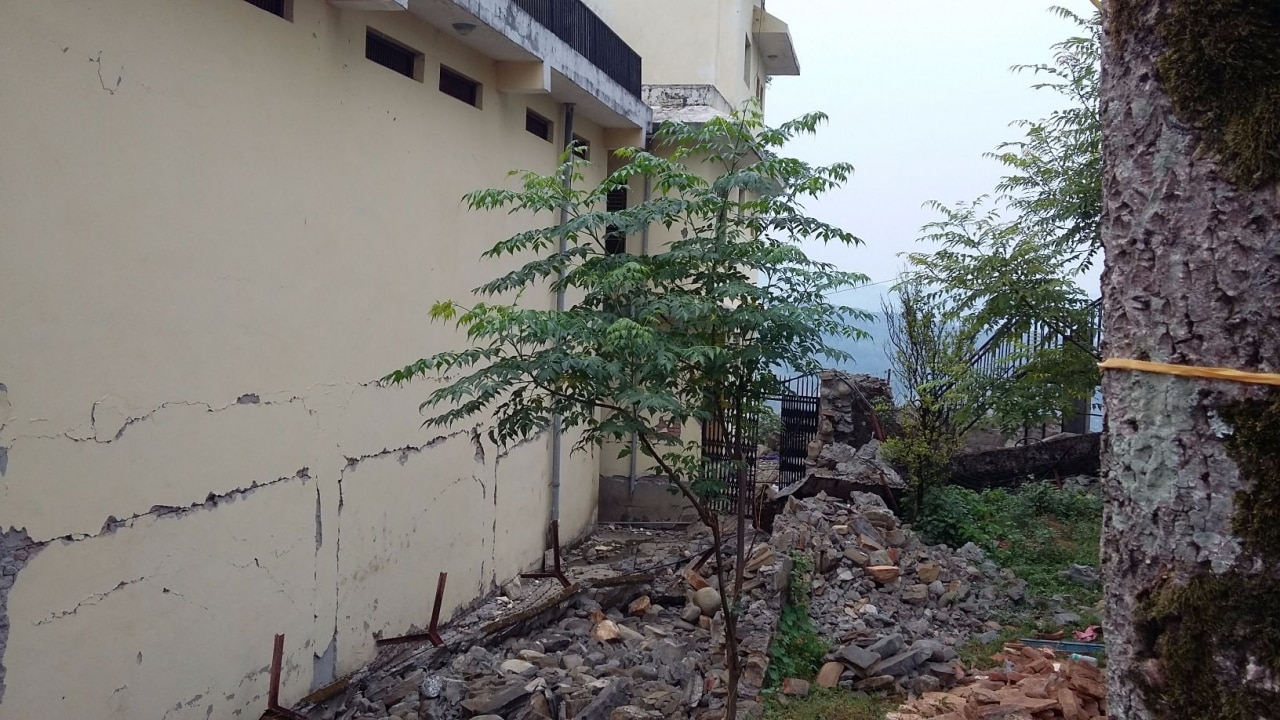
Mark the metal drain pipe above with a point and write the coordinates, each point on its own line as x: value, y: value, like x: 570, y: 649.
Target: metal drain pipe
x: 556, y: 420
x: 644, y: 250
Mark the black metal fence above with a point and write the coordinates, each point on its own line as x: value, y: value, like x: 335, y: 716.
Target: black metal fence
x: 729, y: 457
x: 729, y: 448
x: 1004, y: 354
x: 798, y: 410
x: 591, y: 37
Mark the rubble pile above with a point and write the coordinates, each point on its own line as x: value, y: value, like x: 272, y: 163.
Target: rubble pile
x: 895, y: 608
x: 1034, y: 685
x: 638, y: 635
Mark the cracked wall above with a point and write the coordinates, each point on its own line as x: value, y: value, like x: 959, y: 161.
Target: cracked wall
x: 221, y: 226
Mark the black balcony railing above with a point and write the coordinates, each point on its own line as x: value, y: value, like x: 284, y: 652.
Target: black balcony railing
x: 573, y: 22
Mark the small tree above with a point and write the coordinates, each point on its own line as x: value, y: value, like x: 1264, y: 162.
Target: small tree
x: 929, y: 355
x: 652, y: 342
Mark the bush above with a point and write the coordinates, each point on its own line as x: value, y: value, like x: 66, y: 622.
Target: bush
x: 1035, y: 531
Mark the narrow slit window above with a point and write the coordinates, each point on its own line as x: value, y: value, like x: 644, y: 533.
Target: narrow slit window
x: 279, y: 8
x: 392, y: 55
x: 615, y: 241
x: 537, y: 125
x: 459, y: 86
x: 581, y: 147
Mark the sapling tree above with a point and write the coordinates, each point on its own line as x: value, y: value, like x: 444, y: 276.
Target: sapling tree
x: 648, y: 343
x: 929, y: 354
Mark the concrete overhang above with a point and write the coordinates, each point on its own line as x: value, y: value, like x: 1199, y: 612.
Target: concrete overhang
x: 531, y: 58
x: 773, y: 40
x: 694, y: 104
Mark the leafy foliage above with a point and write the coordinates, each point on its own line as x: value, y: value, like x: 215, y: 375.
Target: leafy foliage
x: 655, y: 340
x: 798, y: 648
x: 652, y: 342
x: 1035, y: 531
x: 1012, y: 274
x: 929, y: 354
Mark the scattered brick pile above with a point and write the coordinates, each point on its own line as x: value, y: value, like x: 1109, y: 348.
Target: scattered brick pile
x: 1034, y: 685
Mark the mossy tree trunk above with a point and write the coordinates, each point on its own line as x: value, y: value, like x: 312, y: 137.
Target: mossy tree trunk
x: 1191, y: 229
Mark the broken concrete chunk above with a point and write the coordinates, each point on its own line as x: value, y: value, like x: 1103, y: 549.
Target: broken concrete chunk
x: 900, y: 664
x: 517, y: 667
x: 888, y: 645
x: 861, y: 661
x: 494, y: 700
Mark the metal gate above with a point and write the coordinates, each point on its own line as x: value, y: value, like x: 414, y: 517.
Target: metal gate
x: 798, y: 409
x: 727, y: 449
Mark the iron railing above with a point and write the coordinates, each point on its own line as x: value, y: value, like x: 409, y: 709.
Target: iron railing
x: 584, y: 31
x: 1003, y: 355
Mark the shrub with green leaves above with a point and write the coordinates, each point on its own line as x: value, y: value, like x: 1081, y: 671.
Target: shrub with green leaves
x: 1036, y: 531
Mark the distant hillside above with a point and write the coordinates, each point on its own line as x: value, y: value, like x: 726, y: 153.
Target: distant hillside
x: 868, y: 355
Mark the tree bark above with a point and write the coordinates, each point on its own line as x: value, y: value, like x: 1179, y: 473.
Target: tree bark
x: 1192, y: 277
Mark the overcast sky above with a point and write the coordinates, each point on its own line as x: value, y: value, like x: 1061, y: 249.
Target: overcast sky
x: 917, y: 91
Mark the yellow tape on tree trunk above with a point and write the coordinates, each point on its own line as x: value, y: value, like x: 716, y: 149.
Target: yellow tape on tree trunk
x: 1191, y: 371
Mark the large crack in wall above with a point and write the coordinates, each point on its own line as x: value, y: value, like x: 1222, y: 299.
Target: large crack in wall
x: 110, y: 423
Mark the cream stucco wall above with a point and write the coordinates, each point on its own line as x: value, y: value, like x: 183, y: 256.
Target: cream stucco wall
x: 706, y: 46
x: 217, y: 228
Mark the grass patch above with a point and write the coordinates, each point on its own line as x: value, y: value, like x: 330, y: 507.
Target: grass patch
x: 1036, y: 531
x: 827, y: 705
x: 976, y: 654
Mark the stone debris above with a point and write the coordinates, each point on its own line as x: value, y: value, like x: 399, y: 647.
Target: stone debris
x: 895, y: 608
x: 646, y: 648
x: 1034, y: 685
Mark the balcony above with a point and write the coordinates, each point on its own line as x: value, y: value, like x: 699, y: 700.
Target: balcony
x: 584, y: 31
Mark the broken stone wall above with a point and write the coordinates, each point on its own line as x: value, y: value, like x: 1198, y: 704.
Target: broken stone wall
x: 846, y: 406
x: 213, y: 246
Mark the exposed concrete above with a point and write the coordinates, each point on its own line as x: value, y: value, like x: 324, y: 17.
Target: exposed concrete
x: 686, y: 103
x: 16, y: 550
x: 651, y: 501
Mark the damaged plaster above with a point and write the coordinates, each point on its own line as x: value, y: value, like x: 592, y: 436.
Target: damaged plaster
x: 16, y: 550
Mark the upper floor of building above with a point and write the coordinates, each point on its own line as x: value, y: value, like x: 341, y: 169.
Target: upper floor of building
x: 702, y: 57
x: 623, y: 63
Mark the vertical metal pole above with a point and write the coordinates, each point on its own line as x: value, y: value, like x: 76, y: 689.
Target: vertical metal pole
x: 556, y: 420
x: 644, y: 250
x: 277, y: 660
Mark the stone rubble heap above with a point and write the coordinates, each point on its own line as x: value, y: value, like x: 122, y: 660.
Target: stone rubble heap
x: 1034, y: 686
x: 646, y: 649
x: 896, y: 608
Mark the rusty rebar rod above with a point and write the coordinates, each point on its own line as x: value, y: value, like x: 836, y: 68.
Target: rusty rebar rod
x: 433, y: 630
x: 274, y: 709
x: 556, y: 571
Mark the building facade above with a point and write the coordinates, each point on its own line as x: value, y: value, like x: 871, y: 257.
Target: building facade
x: 220, y: 222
